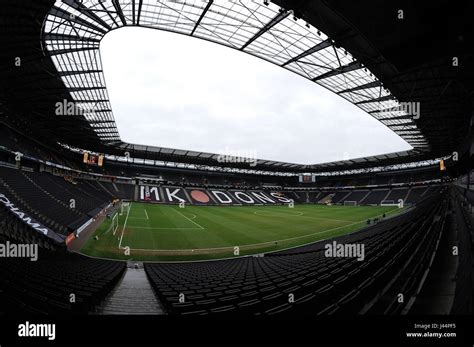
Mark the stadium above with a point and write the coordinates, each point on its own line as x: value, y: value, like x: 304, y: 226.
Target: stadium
x: 93, y: 225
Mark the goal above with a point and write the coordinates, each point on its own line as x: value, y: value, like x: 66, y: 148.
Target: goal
x: 350, y: 203
x: 124, y: 207
x: 115, y: 223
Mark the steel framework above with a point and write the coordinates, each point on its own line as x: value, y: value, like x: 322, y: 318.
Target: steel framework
x: 73, y: 30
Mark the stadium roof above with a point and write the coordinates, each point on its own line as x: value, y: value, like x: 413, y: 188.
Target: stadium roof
x: 348, y: 48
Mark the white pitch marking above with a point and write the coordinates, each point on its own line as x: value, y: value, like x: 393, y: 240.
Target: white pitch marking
x: 278, y: 214
x: 284, y: 214
x: 189, y: 219
x: 125, y: 224
x: 146, y: 215
x: 163, y: 228
x: 263, y: 243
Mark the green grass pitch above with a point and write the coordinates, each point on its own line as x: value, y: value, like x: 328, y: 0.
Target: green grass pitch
x: 169, y: 233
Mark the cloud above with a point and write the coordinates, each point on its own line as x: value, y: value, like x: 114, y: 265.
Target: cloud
x: 170, y: 90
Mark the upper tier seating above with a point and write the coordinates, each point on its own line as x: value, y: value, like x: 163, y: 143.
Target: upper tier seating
x: 40, y: 203
x: 87, y: 198
x: 48, y: 198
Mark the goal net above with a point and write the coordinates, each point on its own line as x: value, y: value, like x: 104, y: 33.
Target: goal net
x: 115, y: 223
x: 350, y: 203
x: 124, y: 207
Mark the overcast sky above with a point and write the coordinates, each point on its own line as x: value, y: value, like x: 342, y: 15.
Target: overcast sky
x: 174, y: 91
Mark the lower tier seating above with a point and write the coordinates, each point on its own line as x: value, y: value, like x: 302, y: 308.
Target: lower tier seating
x: 319, y: 284
x: 45, y: 286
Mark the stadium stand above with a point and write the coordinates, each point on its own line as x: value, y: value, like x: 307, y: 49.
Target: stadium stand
x: 48, y: 197
x: 11, y: 229
x: 313, y: 197
x: 357, y: 196
x: 87, y: 197
x: 45, y: 287
x: 396, y: 194
x: 246, y: 286
x: 321, y: 285
x: 416, y: 194
x: 326, y: 197
x: 375, y: 197
x: 340, y: 196
x: 400, y: 248
x: 463, y: 222
x: 40, y: 203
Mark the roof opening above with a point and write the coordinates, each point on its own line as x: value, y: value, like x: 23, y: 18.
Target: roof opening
x: 169, y: 90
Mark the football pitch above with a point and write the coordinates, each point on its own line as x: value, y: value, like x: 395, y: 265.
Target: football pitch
x: 170, y: 233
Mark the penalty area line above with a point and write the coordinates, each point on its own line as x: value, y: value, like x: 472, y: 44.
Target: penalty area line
x: 200, y: 226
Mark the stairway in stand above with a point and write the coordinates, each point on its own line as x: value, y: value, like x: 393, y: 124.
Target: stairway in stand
x: 133, y: 295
